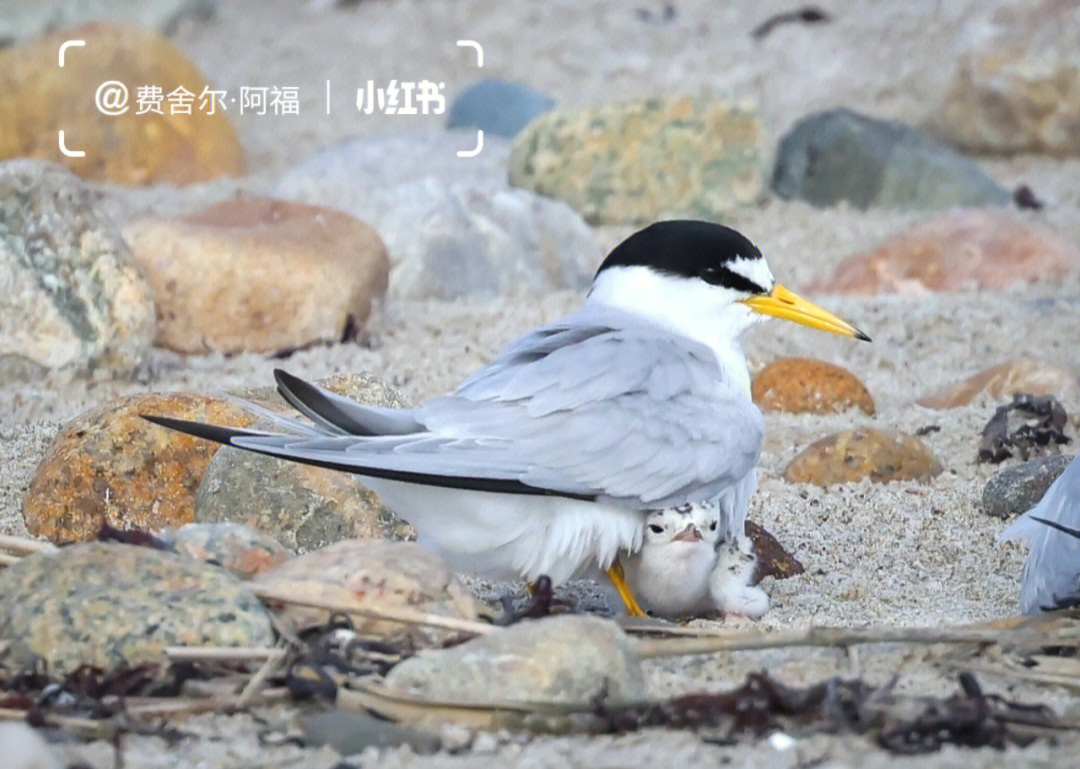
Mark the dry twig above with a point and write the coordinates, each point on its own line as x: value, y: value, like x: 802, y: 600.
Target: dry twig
x: 392, y: 613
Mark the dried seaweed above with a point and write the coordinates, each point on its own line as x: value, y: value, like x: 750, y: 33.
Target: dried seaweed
x: 900, y: 724
x: 1029, y: 425
x: 138, y: 537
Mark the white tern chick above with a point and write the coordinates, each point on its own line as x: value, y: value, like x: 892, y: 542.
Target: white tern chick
x: 729, y: 583
x: 670, y: 573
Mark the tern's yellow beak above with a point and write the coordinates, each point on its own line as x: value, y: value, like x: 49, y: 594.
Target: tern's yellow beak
x: 782, y: 303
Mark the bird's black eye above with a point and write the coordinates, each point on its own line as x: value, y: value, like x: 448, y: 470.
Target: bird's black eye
x: 655, y: 528
x: 712, y: 526
x: 712, y: 275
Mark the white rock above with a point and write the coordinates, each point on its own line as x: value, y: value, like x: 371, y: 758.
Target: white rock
x: 21, y: 747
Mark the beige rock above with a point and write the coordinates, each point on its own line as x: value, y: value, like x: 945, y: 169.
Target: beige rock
x: 259, y: 275
x: 640, y: 161
x: 852, y: 455
x: 805, y: 385
x: 1018, y: 89
x: 959, y: 249
x: 37, y: 97
x: 568, y: 658
x: 1013, y: 377
x: 112, y: 466
x: 395, y: 574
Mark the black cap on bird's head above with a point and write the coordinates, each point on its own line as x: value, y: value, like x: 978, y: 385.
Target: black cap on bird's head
x: 691, y: 249
x: 703, y: 252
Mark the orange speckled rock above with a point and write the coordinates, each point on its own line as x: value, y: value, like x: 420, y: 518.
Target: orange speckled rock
x: 1019, y: 375
x: 800, y: 385
x: 38, y: 98
x: 259, y: 275
x: 110, y: 465
x: 852, y: 455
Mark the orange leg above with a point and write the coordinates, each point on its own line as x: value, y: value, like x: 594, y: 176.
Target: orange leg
x: 618, y: 579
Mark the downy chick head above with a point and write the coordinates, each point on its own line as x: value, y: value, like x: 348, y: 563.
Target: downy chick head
x: 670, y: 573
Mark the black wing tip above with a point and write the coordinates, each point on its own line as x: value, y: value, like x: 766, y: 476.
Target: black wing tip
x: 294, y: 389
x: 214, y: 433
x: 1059, y: 526
x: 281, y: 376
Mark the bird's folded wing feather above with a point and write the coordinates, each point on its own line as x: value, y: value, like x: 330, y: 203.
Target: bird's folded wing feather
x: 616, y: 410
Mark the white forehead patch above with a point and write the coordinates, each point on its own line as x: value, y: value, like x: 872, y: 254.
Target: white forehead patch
x: 754, y: 269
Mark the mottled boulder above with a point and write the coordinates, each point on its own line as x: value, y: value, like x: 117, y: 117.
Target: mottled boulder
x: 851, y: 455
x: 497, y: 107
x: 805, y: 385
x: 1013, y: 377
x: 640, y: 161
x: 1017, y: 88
x: 567, y: 658
x: 113, y: 606
x: 1017, y: 489
x: 234, y: 547
x: 301, y: 506
x: 957, y: 250
x: 840, y: 155
x: 452, y: 226
x: 110, y: 465
x: 69, y: 297
x: 375, y: 572
x: 37, y: 97
x: 259, y: 275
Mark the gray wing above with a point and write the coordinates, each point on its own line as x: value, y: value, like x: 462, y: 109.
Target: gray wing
x: 599, y: 405
x: 1052, y: 570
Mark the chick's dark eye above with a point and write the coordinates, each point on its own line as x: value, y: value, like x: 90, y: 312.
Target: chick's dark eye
x: 712, y: 526
x: 655, y: 528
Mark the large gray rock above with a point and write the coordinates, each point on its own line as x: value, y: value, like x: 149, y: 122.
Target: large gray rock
x: 840, y: 155
x: 69, y: 297
x: 452, y: 226
x: 112, y: 606
x: 1017, y: 489
x: 1017, y: 88
x: 301, y: 506
x: 568, y: 658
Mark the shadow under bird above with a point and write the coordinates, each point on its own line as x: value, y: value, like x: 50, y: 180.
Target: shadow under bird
x: 1051, y: 578
x: 547, y: 461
